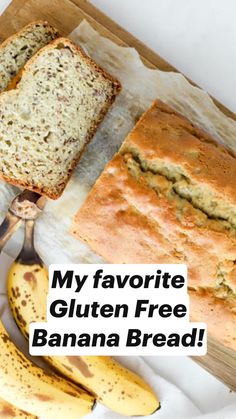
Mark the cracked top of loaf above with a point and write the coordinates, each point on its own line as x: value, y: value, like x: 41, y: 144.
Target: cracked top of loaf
x: 168, y: 196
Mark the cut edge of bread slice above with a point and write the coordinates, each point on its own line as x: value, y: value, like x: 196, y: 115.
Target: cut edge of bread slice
x: 15, y: 84
x: 23, y: 32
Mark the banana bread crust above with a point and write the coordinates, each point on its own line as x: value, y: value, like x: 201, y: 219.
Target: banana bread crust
x: 156, y: 202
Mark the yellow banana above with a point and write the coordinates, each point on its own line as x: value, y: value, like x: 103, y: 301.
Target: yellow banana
x: 8, y: 411
x: 114, y: 385
x: 33, y: 390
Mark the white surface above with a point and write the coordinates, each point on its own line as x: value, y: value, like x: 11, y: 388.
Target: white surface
x: 198, y: 37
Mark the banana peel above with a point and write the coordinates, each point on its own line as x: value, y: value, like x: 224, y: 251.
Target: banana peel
x: 9, y: 411
x: 35, y: 391
x: 114, y: 386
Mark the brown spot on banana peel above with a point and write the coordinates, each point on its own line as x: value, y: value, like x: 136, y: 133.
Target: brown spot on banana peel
x: 78, y: 363
x: 30, y: 277
x: 7, y: 412
x: 19, y: 317
x: 23, y: 360
x: 42, y: 397
x: 71, y: 393
x: 15, y: 292
x: 6, y: 338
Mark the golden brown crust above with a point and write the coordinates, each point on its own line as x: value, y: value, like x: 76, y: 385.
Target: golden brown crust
x: 221, y: 322
x: 67, y: 42
x: 165, y: 134
x: 15, y: 85
x: 134, y: 215
x: 135, y: 225
x: 21, y: 31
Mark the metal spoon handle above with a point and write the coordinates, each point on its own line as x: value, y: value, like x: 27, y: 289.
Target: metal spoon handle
x: 8, y: 227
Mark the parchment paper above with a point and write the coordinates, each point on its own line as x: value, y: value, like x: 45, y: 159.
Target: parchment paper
x: 140, y: 87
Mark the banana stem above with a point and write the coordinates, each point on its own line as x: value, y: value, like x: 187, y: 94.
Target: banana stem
x: 28, y: 254
x: 29, y: 236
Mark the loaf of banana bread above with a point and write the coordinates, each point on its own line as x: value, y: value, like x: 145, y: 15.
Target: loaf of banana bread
x: 169, y: 196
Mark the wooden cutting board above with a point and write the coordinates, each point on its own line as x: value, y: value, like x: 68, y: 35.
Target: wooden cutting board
x: 66, y: 15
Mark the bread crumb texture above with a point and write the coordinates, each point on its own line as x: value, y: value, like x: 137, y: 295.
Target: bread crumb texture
x: 168, y: 196
x: 48, y: 118
x: 19, y: 48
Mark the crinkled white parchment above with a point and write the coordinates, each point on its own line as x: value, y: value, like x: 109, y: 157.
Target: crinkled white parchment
x: 141, y: 86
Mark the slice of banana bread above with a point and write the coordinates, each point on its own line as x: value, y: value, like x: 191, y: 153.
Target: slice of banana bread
x: 20, y: 47
x: 47, y: 119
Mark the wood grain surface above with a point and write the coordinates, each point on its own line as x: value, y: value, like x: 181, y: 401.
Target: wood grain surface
x: 66, y: 15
